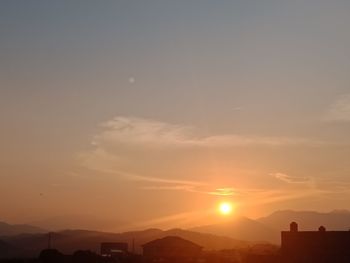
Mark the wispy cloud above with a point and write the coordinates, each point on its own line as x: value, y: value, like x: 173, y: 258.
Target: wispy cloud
x: 223, y: 192
x: 204, y: 189
x: 131, y: 130
x: 177, y: 185
x: 161, y: 180
x: 291, y: 179
x: 339, y: 111
x: 136, y: 131
x: 148, y: 150
x: 184, y: 220
x: 163, y: 156
x: 276, y: 196
x: 188, y: 188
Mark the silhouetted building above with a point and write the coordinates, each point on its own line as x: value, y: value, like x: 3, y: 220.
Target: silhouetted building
x: 114, y: 249
x: 171, y: 249
x: 315, y: 246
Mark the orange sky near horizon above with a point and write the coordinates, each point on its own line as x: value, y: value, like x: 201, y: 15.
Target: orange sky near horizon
x: 133, y: 114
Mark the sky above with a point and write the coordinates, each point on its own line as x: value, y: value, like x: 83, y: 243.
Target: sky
x: 141, y: 113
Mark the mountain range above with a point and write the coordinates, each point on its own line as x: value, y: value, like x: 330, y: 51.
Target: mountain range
x: 242, y: 228
x: 240, y: 232
x: 268, y: 228
x: 10, y: 230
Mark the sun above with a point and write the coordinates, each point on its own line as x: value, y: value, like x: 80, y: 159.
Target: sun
x: 225, y: 208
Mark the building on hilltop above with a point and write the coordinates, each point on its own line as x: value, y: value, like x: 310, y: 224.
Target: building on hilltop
x: 315, y: 246
x: 171, y: 249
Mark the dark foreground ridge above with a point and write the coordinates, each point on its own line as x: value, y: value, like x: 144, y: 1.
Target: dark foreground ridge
x: 320, y: 246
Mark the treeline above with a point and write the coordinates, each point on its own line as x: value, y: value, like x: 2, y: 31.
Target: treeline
x: 86, y: 256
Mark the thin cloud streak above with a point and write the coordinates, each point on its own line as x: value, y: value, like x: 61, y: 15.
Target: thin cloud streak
x: 134, y: 149
x: 141, y: 178
x: 273, y: 196
x: 176, y: 220
x: 140, y: 131
x: 223, y: 192
x: 193, y: 189
x: 291, y: 179
x: 161, y: 180
x: 339, y: 111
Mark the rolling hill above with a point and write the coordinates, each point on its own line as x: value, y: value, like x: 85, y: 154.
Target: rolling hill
x: 26, y: 240
x: 71, y: 240
x: 242, y: 228
x: 9, y: 230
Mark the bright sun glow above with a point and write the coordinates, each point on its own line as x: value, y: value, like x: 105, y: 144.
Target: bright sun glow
x: 225, y: 208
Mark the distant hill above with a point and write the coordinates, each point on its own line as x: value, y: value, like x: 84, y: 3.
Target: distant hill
x: 8, y: 230
x: 242, y: 228
x: 308, y: 220
x: 27, y: 240
x: 78, y: 221
x: 268, y: 228
x: 70, y: 240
